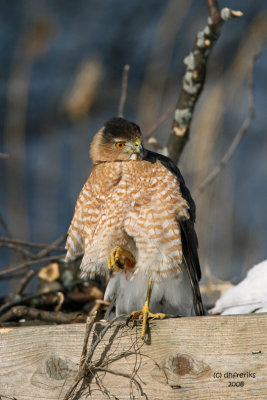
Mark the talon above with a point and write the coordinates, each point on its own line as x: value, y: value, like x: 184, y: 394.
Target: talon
x: 145, y: 314
x: 120, y: 259
x: 119, y: 264
x: 128, y: 319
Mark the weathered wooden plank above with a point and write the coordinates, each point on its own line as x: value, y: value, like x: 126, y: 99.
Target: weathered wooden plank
x: 188, y: 358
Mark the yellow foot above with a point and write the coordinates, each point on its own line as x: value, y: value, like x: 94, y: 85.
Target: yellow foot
x: 145, y: 314
x: 120, y: 259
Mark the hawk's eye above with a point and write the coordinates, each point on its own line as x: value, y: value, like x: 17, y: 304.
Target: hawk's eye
x: 120, y: 145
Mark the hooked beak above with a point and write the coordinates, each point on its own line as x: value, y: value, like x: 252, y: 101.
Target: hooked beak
x: 139, y: 149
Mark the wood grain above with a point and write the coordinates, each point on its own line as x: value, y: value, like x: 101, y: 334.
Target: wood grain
x: 188, y: 358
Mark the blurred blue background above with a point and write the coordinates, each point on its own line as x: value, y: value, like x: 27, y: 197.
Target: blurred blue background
x: 61, y: 68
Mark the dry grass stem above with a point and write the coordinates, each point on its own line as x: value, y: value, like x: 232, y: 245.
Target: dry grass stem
x: 124, y: 86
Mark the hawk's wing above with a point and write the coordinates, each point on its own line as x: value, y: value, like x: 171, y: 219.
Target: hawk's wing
x: 83, y: 221
x: 75, y: 242
x: 189, y: 237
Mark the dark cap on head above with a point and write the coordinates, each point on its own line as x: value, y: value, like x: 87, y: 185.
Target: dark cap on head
x: 120, y: 128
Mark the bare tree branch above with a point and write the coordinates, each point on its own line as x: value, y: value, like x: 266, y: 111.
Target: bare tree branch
x: 7, y: 241
x: 124, y: 86
x: 61, y: 239
x: 25, y: 280
x: 4, y: 225
x: 214, y: 11
x: 238, y: 137
x: 29, y: 299
x: 194, y: 77
x: 11, y: 269
x: 20, y: 312
x: 31, y: 258
x: 159, y: 122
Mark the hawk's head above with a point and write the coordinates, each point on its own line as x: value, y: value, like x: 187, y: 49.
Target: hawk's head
x: 117, y: 140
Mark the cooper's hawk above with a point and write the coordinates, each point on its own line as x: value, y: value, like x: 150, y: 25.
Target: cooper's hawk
x: 135, y: 218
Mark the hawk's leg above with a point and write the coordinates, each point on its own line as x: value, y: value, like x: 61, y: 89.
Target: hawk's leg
x: 119, y: 259
x: 145, y: 312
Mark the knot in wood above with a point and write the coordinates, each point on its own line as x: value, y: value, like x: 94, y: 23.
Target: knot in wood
x: 179, y: 364
x: 58, y: 367
x: 184, y: 364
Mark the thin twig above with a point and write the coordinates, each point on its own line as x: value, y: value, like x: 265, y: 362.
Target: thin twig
x: 56, y: 243
x: 117, y: 357
x: 124, y: 375
x: 17, y: 245
x: 98, y: 305
x: 98, y: 340
x: 238, y: 137
x: 89, y: 324
x: 16, y: 268
x: 102, y: 387
x: 61, y: 298
x: 163, y: 118
x: 25, y: 280
x: 24, y: 243
x: 124, y: 86
x: 8, y: 243
x: 4, y: 225
x: 76, y: 382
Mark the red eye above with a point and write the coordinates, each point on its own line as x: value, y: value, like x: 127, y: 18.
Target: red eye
x: 120, y: 145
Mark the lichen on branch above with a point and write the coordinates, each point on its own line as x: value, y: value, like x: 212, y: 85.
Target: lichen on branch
x: 194, y: 77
